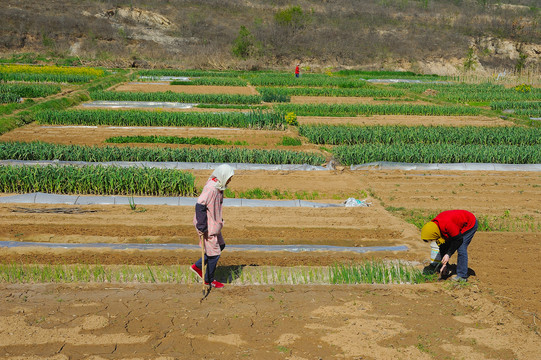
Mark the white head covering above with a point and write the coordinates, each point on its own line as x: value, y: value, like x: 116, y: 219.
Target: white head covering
x: 222, y: 173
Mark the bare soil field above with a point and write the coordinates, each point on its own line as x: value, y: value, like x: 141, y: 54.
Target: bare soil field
x: 97, y: 135
x: 406, y: 120
x: 167, y: 322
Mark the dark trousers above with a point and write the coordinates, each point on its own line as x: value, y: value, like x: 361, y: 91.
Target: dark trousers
x: 210, y: 262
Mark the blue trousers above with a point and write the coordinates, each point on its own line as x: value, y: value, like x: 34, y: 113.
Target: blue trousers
x: 462, y: 252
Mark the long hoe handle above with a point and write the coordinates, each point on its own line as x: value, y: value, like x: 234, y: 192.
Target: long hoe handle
x: 206, y: 289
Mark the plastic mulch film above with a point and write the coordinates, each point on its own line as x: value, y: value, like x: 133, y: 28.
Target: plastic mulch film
x: 381, y: 165
x: 44, y: 198
x: 239, y: 247
x: 166, y: 165
x: 166, y: 78
x: 138, y: 104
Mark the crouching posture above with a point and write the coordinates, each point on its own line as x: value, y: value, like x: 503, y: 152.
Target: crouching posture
x: 452, y: 230
x: 208, y: 222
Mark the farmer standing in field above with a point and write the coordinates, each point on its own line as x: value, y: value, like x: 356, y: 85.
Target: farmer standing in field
x: 297, y: 70
x: 452, y: 230
x: 208, y: 221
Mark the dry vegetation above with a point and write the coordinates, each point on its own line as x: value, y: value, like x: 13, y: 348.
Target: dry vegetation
x: 343, y: 32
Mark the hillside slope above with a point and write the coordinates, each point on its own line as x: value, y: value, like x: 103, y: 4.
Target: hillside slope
x: 436, y: 36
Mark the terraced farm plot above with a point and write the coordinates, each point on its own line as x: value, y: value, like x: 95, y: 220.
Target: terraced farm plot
x: 495, y: 315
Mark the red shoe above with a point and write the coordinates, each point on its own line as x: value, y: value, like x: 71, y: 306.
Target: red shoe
x: 215, y: 284
x: 197, y: 270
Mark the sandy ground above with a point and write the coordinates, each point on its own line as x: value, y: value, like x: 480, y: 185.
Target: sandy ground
x: 495, y: 316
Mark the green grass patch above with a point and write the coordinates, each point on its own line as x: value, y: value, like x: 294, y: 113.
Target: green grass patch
x: 290, y: 141
x: 258, y: 193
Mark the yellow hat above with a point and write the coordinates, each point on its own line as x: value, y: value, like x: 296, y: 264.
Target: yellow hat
x: 431, y: 232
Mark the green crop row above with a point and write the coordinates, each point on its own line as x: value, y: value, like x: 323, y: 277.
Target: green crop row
x: 6, y: 98
x: 472, y: 92
x: 367, y: 109
x: 30, y: 90
x: 320, y: 80
x: 216, y: 81
x: 347, y: 134
x: 274, y: 94
x: 503, y: 105
x: 253, y: 119
x: 356, y: 92
x: 528, y: 112
x: 154, y: 139
x: 56, y: 78
x: 176, y: 97
x: 44, y: 151
x: 96, y: 180
x: 189, y: 73
x: 370, y: 272
x: 441, y: 153
x: 389, y: 75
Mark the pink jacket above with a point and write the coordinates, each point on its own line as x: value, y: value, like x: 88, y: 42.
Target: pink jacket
x: 212, y: 198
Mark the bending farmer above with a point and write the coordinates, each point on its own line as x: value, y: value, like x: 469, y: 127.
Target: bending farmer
x: 208, y: 221
x: 452, y: 230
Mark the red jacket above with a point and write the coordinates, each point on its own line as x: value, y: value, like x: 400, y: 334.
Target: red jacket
x: 454, y: 222
x: 297, y: 70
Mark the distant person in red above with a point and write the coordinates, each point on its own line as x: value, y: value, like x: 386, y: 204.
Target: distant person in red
x: 297, y: 71
x: 452, y: 230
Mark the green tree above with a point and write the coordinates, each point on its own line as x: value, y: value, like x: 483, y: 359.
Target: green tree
x: 293, y: 18
x: 521, y: 62
x: 470, y: 61
x: 244, y: 45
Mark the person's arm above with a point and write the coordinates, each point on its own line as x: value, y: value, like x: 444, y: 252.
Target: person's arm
x: 454, y: 244
x: 201, y: 217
